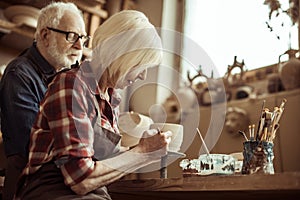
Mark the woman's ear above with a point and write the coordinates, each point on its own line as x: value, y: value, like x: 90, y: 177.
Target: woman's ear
x: 45, y: 37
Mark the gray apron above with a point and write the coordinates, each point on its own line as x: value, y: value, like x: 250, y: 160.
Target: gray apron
x: 106, y: 143
x: 48, y: 182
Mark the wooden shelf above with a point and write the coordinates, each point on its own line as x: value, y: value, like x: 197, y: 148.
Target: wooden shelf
x: 17, y: 28
x: 95, y: 10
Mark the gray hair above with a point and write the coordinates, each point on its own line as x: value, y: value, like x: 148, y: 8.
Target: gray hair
x: 52, y: 14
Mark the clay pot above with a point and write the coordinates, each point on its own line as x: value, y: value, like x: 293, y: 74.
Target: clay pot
x: 290, y: 74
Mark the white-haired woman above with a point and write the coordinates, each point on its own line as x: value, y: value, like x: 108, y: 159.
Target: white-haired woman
x: 75, y: 141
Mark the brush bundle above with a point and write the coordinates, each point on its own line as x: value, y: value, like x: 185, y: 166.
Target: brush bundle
x: 258, y: 150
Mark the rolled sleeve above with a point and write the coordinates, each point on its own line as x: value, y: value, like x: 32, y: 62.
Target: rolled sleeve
x: 76, y: 170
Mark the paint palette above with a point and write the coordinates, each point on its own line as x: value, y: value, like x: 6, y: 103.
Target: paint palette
x: 208, y: 164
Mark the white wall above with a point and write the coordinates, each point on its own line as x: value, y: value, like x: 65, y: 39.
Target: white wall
x: 162, y: 80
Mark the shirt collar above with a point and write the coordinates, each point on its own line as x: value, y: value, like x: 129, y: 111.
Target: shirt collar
x: 41, y: 62
x: 92, y: 83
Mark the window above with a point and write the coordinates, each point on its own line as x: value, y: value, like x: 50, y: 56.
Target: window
x: 229, y: 28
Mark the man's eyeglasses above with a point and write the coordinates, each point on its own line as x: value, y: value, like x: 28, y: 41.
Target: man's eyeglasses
x: 72, y: 36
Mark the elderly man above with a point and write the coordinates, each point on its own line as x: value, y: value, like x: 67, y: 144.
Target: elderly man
x: 59, y: 41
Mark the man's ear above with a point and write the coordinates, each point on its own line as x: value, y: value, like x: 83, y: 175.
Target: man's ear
x: 45, y: 36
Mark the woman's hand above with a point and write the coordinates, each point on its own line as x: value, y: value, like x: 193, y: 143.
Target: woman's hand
x: 154, y: 140
x: 152, y: 146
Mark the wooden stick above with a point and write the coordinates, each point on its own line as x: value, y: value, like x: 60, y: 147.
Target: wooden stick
x: 205, y: 147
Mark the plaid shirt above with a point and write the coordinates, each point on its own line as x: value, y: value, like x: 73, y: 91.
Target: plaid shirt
x: 64, y: 129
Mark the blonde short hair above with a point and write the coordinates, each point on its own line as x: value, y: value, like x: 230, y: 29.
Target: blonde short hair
x: 124, y: 41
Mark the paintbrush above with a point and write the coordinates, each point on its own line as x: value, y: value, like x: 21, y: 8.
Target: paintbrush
x: 205, y: 147
x: 260, y: 120
x: 243, y: 134
x: 252, y: 132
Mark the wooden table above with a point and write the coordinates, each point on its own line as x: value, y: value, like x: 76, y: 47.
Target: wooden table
x: 281, y: 186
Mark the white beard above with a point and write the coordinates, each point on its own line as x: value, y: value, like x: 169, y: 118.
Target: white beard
x: 61, y: 58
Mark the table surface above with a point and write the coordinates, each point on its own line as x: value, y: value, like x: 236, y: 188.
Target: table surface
x: 258, y: 186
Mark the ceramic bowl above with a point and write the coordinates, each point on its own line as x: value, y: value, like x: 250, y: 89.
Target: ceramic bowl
x: 132, y: 125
